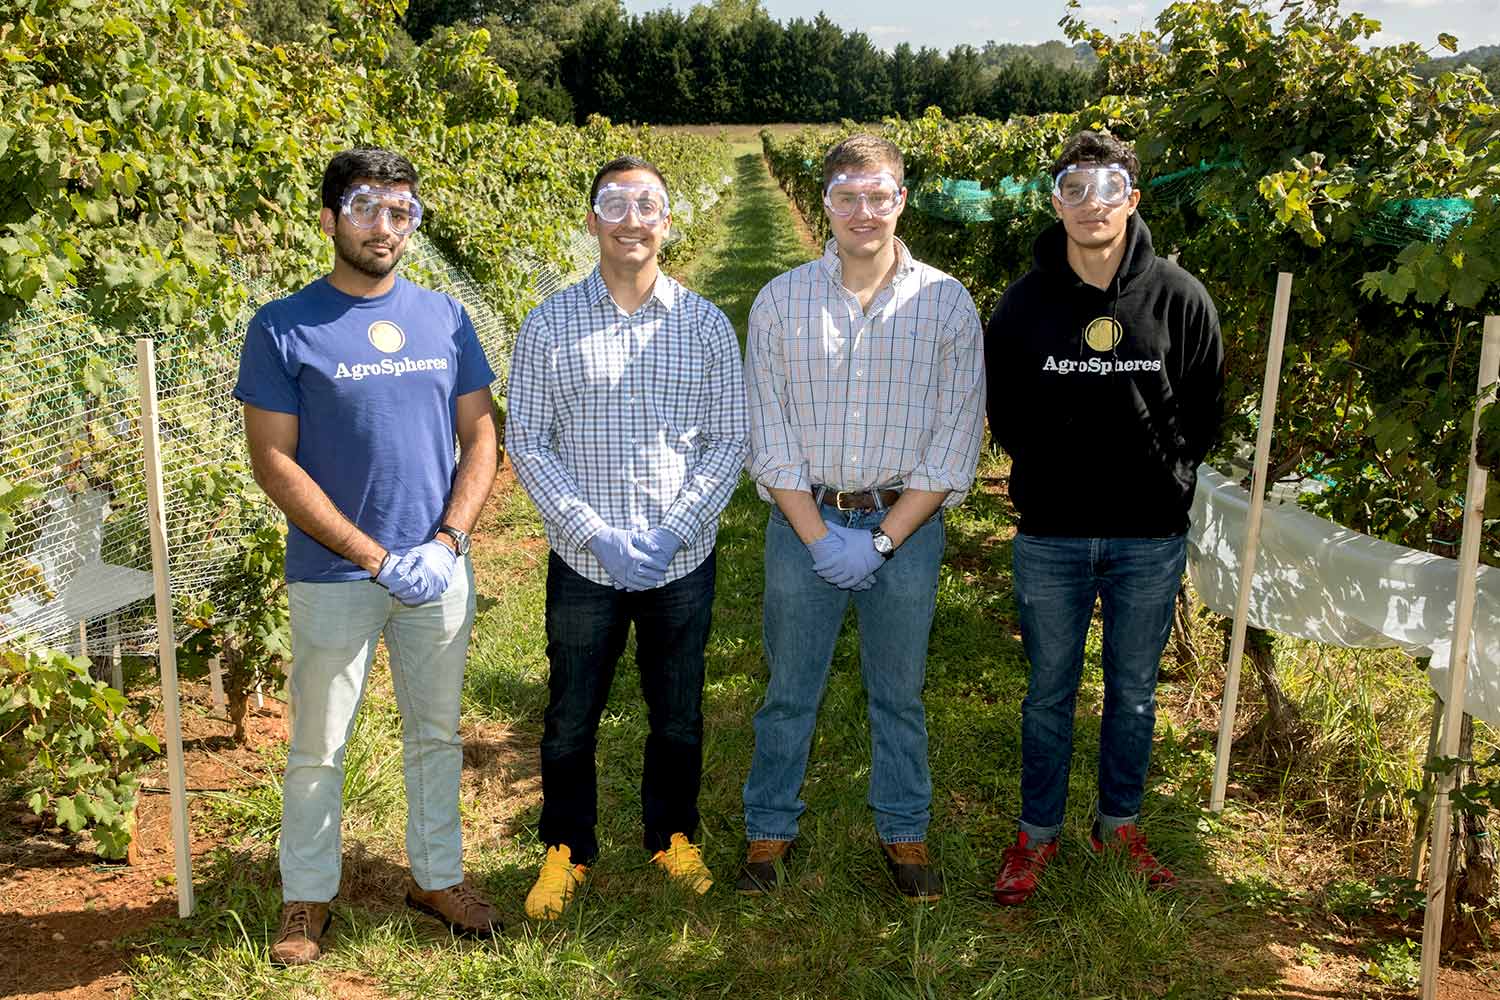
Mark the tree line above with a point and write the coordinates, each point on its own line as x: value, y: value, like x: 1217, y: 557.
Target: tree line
x: 726, y: 61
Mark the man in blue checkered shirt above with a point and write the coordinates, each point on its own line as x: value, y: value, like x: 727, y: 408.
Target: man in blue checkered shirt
x: 628, y: 427
x: 865, y: 376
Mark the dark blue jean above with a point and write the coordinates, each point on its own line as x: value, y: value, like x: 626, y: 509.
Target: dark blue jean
x: 1056, y: 583
x: 587, y: 625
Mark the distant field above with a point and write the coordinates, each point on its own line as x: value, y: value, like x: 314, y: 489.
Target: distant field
x: 742, y: 138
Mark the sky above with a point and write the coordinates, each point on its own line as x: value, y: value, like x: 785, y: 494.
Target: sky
x: 950, y: 22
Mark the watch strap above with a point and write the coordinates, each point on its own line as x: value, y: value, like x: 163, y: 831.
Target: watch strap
x: 460, y: 538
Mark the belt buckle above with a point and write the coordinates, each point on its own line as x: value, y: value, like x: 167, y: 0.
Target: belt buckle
x: 838, y: 499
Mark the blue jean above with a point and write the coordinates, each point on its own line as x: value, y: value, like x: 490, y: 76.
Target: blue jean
x: 803, y: 615
x: 335, y: 627
x: 1056, y: 583
x: 587, y: 625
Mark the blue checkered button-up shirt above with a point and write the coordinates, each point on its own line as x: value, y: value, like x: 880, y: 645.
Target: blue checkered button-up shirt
x: 634, y: 421
x: 857, y: 399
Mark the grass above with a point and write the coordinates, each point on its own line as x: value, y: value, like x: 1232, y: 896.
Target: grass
x: 758, y: 242
x: 1264, y: 891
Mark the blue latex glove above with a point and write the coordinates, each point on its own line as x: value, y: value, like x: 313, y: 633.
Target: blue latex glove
x: 420, y: 575
x: 630, y: 567
x: 403, y: 587
x: 825, y: 548
x: 854, y: 563
x: 660, y: 543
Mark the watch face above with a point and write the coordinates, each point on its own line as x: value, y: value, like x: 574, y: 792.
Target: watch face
x: 883, y: 542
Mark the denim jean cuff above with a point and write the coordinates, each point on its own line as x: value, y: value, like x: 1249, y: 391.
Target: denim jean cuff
x: 778, y: 837
x: 1039, y: 834
x: 1109, y: 824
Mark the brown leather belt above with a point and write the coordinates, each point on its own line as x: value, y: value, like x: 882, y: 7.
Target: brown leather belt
x: 856, y: 499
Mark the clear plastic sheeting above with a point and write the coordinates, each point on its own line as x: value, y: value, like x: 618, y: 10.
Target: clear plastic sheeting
x: 1317, y: 580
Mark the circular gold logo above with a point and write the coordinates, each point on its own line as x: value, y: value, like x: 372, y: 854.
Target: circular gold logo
x: 1103, y: 334
x: 386, y: 336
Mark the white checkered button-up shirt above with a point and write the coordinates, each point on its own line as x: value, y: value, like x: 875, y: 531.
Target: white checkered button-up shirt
x: 634, y: 421
x: 862, y: 399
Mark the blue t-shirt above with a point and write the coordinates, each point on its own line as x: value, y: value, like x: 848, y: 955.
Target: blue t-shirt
x: 374, y: 385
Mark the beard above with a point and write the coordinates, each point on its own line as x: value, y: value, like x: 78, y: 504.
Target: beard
x: 351, y: 250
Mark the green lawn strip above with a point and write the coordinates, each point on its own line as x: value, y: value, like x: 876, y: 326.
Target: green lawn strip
x: 839, y: 928
x: 758, y: 242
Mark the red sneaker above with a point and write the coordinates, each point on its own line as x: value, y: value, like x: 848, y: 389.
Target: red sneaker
x: 1132, y: 842
x: 1022, y: 868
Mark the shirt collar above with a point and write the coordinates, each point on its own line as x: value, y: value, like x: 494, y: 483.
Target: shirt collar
x: 834, y: 267
x: 663, y: 291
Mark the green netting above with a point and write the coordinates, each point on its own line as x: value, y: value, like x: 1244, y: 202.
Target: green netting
x: 1416, y: 219
x: 968, y: 201
x: 1397, y: 223
x: 1182, y: 187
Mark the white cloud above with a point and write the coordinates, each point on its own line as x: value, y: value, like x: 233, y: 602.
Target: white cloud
x: 1107, y: 12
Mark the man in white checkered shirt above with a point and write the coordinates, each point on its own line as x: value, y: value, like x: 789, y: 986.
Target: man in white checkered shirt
x: 865, y: 376
x: 628, y: 427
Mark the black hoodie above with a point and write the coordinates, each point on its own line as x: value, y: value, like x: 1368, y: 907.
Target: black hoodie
x: 1104, y: 430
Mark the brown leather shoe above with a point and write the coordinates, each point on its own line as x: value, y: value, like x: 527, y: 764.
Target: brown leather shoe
x: 460, y: 906
x: 302, y: 925
x: 915, y: 876
x: 765, y: 862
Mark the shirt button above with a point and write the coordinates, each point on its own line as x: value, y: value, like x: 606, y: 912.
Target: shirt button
x: 854, y: 458
x: 860, y: 373
x: 856, y: 414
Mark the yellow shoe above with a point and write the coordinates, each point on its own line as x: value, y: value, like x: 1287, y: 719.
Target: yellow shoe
x: 683, y: 862
x: 555, y: 885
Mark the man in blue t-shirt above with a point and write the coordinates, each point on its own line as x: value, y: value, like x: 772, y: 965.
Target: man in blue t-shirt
x: 355, y: 389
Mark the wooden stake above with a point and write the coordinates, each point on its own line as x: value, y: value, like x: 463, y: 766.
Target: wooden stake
x: 1252, y: 538
x: 216, y: 684
x: 112, y: 640
x: 1458, y: 667
x: 1424, y: 801
x: 145, y: 354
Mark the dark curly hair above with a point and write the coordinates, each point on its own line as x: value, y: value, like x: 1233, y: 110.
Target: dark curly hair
x: 1097, y: 147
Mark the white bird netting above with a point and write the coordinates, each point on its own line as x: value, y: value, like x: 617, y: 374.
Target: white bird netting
x: 74, y: 538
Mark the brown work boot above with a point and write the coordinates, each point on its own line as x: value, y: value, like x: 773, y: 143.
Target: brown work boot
x: 460, y: 906
x: 302, y: 925
x: 765, y: 862
x: 916, y: 878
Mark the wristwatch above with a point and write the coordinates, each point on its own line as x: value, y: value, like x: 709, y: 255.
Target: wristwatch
x: 883, y: 543
x: 460, y: 538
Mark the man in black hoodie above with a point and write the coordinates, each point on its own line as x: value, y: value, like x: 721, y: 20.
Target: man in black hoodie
x: 1105, y: 380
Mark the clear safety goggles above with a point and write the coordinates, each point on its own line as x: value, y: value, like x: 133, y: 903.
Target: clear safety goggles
x: 364, y: 205
x: 879, y: 193
x: 1109, y: 184
x: 615, y: 201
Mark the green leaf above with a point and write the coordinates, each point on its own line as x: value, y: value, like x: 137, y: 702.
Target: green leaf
x: 70, y: 813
